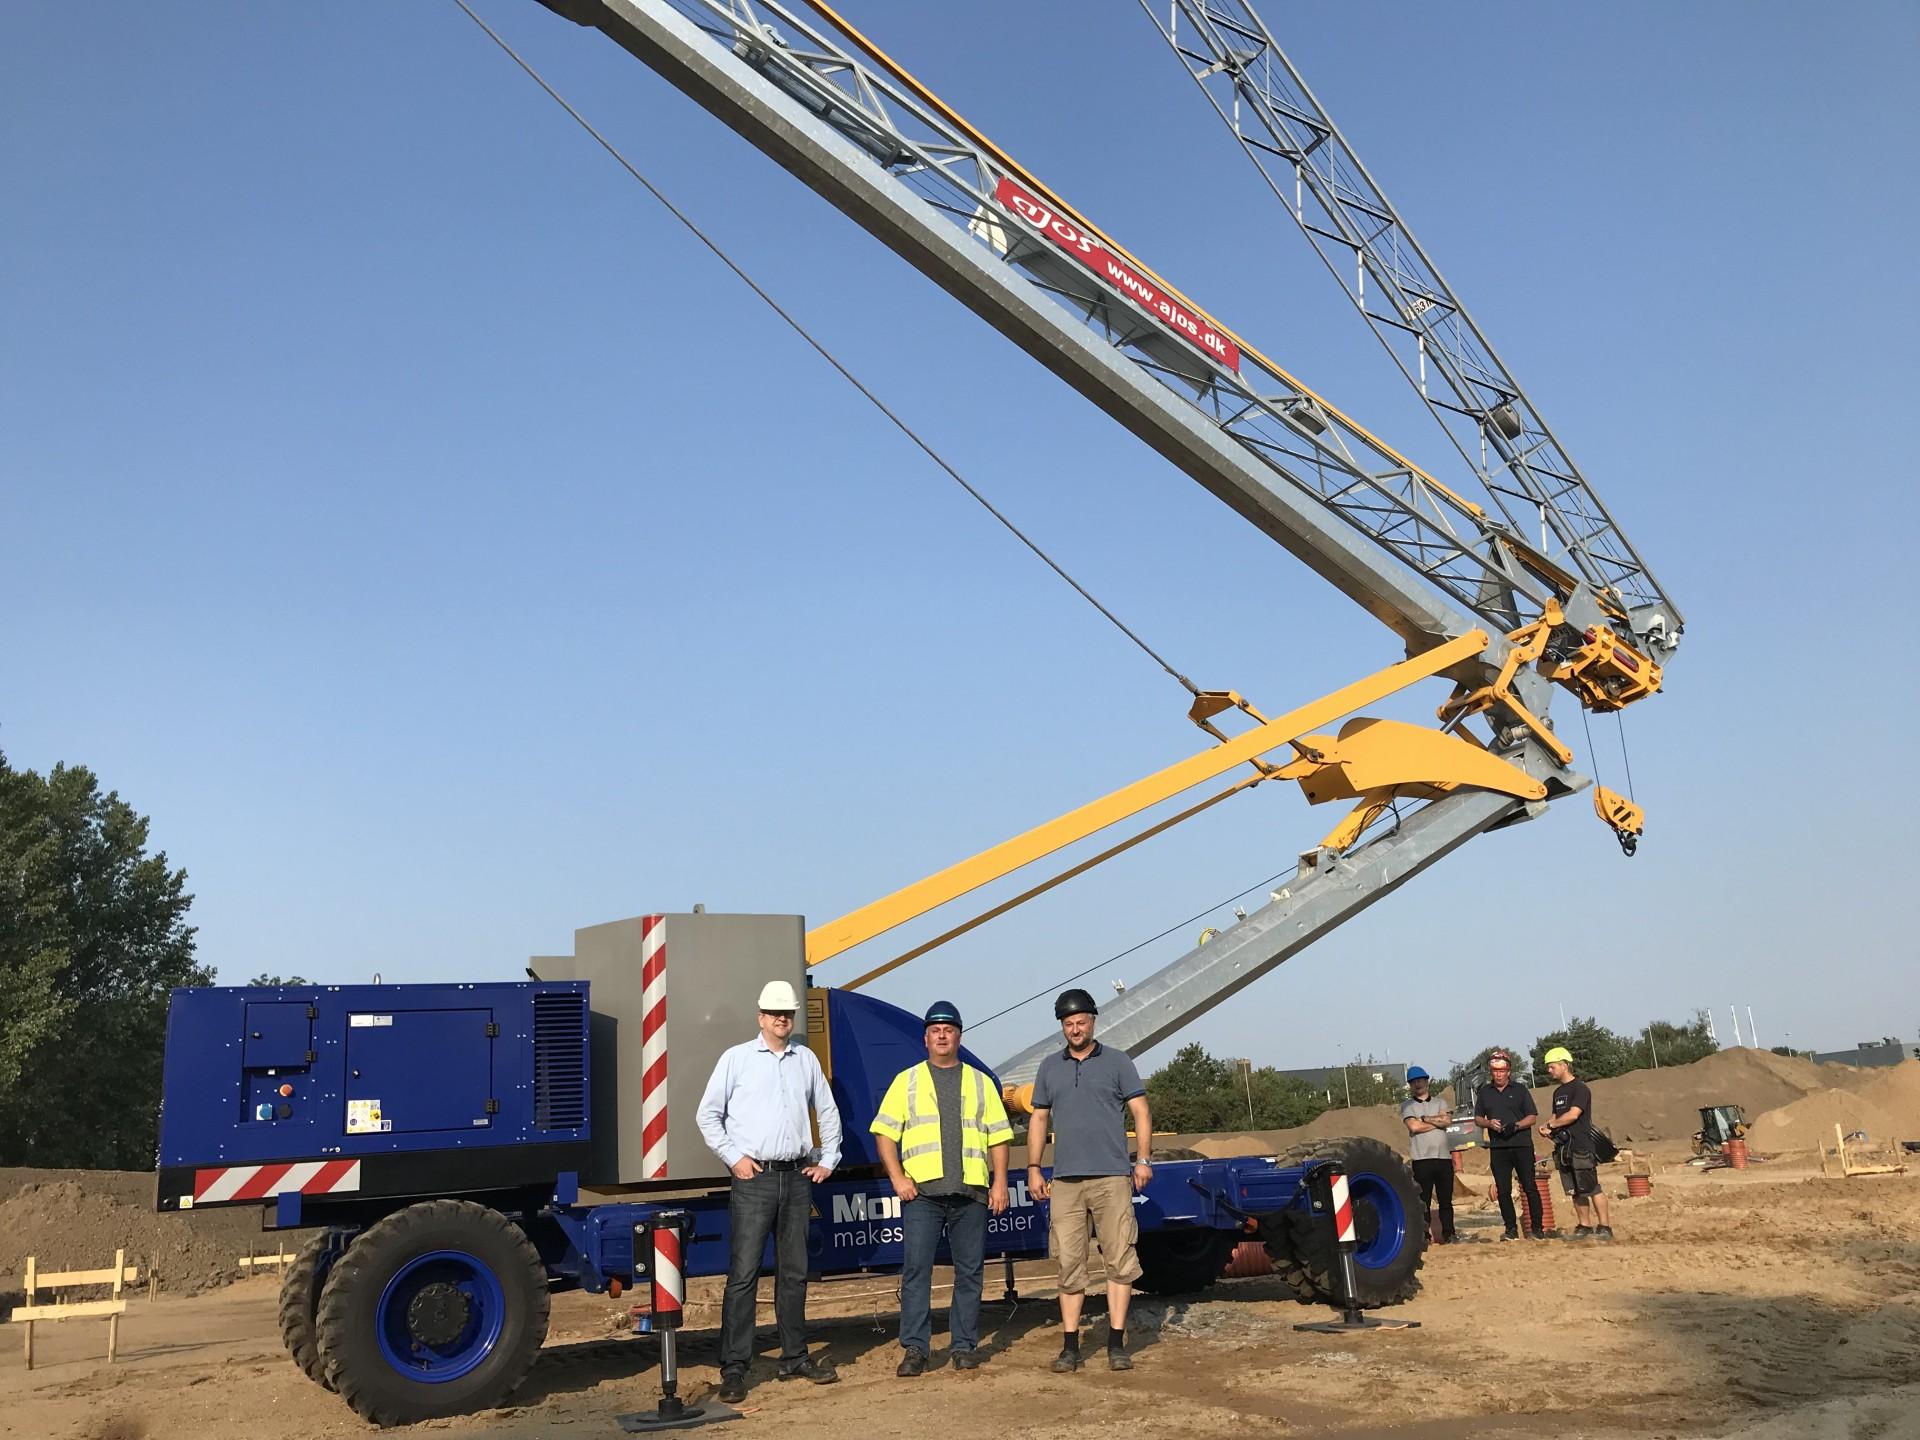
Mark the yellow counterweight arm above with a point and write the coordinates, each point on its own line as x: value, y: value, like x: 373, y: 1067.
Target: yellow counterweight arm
x: 835, y: 936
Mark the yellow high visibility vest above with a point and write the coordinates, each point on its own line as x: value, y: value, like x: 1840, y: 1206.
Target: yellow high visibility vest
x: 910, y: 1117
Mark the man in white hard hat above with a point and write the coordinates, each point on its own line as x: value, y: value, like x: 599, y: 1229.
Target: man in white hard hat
x: 754, y: 1117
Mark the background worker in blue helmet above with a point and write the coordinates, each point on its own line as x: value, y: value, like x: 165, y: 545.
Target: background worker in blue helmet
x: 943, y: 1134
x: 1426, y: 1117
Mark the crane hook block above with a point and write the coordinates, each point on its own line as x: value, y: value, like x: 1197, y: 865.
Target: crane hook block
x: 1626, y: 818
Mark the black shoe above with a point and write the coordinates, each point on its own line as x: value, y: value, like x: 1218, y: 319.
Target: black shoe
x: 1511, y: 1235
x: 914, y: 1362
x: 968, y: 1359
x: 1604, y: 1233
x: 1067, y: 1361
x: 1540, y: 1235
x: 733, y: 1388
x: 1581, y: 1232
x: 808, y: 1368
x: 1118, y: 1358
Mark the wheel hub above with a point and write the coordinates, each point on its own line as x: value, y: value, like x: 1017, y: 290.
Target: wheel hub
x: 438, y: 1314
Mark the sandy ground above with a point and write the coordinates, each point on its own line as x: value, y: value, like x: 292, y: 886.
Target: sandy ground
x: 1768, y: 1303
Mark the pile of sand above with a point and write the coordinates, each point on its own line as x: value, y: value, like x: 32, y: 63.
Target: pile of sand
x: 76, y: 1219
x: 1808, y: 1123
x: 1647, y: 1106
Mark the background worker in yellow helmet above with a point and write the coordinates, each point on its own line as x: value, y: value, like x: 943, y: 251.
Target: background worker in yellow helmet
x: 1571, y: 1131
x: 943, y: 1134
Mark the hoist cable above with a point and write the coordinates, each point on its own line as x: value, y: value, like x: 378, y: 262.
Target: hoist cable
x: 824, y: 353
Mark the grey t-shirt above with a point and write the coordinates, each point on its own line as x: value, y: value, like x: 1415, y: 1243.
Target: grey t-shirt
x: 1088, y: 1099
x: 947, y: 1096
x: 1428, y: 1144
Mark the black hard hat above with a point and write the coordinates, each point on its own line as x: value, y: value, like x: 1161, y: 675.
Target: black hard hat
x: 1074, y: 1002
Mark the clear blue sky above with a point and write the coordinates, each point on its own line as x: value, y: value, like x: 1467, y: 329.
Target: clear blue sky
x: 445, y: 552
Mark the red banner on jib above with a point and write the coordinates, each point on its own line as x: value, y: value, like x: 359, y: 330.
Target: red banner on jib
x: 1192, y: 328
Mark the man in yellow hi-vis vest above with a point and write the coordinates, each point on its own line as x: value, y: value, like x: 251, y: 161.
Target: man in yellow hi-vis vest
x: 943, y: 1136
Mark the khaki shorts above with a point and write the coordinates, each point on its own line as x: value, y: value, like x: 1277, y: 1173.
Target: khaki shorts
x: 1104, y: 1204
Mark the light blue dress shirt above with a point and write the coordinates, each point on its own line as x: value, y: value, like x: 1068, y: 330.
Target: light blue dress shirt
x: 756, y: 1104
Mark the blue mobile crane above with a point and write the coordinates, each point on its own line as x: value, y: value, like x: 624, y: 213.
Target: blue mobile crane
x: 464, y: 1150
x: 450, y: 1142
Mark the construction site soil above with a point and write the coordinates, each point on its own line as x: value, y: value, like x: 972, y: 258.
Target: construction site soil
x: 1770, y: 1302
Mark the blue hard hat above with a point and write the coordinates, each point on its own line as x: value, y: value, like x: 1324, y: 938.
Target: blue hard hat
x: 943, y: 1012
x: 1414, y: 1072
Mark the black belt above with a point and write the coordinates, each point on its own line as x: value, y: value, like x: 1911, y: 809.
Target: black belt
x: 784, y: 1164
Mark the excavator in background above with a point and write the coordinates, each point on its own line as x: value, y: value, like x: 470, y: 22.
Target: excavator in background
x: 465, y: 1149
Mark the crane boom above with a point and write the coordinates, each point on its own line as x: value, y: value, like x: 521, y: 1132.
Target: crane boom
x: 1424, y: 326
x: 1447, y: 577
x: 1413, y: 555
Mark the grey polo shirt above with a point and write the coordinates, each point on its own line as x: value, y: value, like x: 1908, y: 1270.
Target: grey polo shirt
x: 1428, y: 1144
x: 1088, y: 1100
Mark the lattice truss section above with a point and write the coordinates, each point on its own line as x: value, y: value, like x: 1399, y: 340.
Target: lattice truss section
x: 1465, y: 552
x: 1255, y: 89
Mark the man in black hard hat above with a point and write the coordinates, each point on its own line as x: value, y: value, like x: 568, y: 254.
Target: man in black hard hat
x: 1087, y: 1090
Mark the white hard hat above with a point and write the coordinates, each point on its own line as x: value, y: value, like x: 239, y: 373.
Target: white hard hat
x: 778, y: 995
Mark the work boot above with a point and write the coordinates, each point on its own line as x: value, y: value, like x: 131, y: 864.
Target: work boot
x: 1118, y: 1358
x: 808, y: 1368
x: 968, y: 1359
x: 733, y: 1387
x: 914, y: 1362
x: 1605, y: 1232
x: 1067, y: 1361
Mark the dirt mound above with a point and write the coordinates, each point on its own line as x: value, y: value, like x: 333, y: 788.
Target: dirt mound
x: 76, y: 1219
x: 1664, y: 1104
x: 1808, y: 1122
x: 1376, y: 1122
x: 1895, y: 1089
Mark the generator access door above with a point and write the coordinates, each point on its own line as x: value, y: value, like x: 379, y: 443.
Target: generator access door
x: 415, y: 1070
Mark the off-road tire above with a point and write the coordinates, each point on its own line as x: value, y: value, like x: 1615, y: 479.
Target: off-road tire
x: 1303, y: 1247
x: 1182, y: 1262
x: 345, y: 1322
x: 300, y: 1301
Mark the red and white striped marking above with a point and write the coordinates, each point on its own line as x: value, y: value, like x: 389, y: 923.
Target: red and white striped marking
x: 669, y: 1277
x: 261, y: 1182
x: 1342, y: 1211
x: 653, y: 1047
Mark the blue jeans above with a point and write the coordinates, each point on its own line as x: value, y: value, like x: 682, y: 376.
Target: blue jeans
x: 963, y: 1220
x: 775, y: 1202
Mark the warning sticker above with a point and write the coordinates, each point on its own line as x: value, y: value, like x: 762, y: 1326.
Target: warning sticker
x: 361, y: 1022
x: 363, y: 1118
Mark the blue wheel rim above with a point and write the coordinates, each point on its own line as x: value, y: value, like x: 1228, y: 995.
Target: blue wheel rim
x: 436, y: 1364
x: 1391, y: 1233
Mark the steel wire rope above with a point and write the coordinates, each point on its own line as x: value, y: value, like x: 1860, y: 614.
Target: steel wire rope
x: 1201, y: 915
x: 821, y: 349
x: 1620, y: 719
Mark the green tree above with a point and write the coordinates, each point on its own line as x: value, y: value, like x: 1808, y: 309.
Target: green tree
x: 1281, y: 1102
x: 1665, y: 1043
x: 265, y: 979
x: 1192, y: 1093
x: 1597, y: 1051
x: 1195, y: 1092
x: 93, y: 935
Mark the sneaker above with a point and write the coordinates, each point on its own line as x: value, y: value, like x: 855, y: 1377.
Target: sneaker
x: 733, y: 1388
x: 1604, y: 1233
x: 968, y: 1359
x: 1067, y: 1361
x: 1118, y: 1358
x: 1511, y: 1235
x: 1539, y: 1235
x: 1581, y: 1232
x: 914, y: 1362
x: 808, y: 1368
